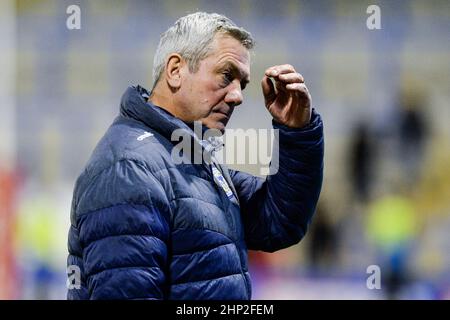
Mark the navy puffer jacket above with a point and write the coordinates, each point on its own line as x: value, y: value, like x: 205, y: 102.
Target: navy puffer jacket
x: 144, y: 227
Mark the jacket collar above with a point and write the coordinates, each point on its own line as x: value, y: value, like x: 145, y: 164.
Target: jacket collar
x: 134, y: 105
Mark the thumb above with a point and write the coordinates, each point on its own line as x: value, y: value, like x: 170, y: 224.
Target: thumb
x: 268, y: 90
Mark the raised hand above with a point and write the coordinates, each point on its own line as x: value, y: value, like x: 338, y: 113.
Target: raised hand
x: 288, y: 101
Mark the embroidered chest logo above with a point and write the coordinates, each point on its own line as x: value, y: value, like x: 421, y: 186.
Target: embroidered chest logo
x: 222, y: 182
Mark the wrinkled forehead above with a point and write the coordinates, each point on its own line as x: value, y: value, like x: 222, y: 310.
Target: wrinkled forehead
x: 228, y: 51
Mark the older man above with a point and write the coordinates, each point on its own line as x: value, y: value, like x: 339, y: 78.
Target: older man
x: 144, y: 226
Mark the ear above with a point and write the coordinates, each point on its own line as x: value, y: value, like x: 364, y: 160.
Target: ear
x: 173, y: 70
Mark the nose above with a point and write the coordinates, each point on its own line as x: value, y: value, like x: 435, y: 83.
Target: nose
x: 234, y: 95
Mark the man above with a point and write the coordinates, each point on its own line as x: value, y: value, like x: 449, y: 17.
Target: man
x: 144, y: 226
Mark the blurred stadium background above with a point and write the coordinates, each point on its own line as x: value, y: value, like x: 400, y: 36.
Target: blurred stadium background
x: 384, y: 96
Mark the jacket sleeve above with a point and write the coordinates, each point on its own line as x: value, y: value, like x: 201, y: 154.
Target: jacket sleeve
x: 124, y: 238
x: 276, y: 211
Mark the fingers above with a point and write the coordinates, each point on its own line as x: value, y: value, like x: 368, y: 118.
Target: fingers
x: 286, y: 80
x: 268, y: 89
x: 277, y: 70
x: 296, y: 87
x: 299, y: 91
x: 291, y: 78
x: 285, y: 74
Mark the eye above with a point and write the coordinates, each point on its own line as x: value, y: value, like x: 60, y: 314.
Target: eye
x: 227, y: 77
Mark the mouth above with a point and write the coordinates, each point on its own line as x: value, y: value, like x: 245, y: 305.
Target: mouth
x: 226, y: 115
x: 224, y: 111
x: 219, y: 117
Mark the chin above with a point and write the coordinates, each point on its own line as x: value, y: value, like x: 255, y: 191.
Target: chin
x: 216, y: 125
x: 220, y: 126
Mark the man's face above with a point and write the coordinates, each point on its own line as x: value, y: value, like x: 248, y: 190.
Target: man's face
x: 210, y: 94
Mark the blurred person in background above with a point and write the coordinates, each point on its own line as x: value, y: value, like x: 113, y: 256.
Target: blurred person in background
x: 37, y: 234
x: 9, y: 185
x: 361, y: 163
x: 145, y: 227
x: 392, y: 228
x: 412, y: 131
x: 323, y: 245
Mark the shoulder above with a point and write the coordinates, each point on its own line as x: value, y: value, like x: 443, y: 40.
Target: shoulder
x: 127, y: 165
x: 130, y: 140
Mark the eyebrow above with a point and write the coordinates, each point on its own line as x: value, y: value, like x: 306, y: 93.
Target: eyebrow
x: 244, y: 76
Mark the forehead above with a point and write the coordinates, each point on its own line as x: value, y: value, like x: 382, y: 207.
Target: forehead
x: 226, y: 50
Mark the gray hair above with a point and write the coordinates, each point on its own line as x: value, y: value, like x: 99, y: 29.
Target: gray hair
x: 191, y: 37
